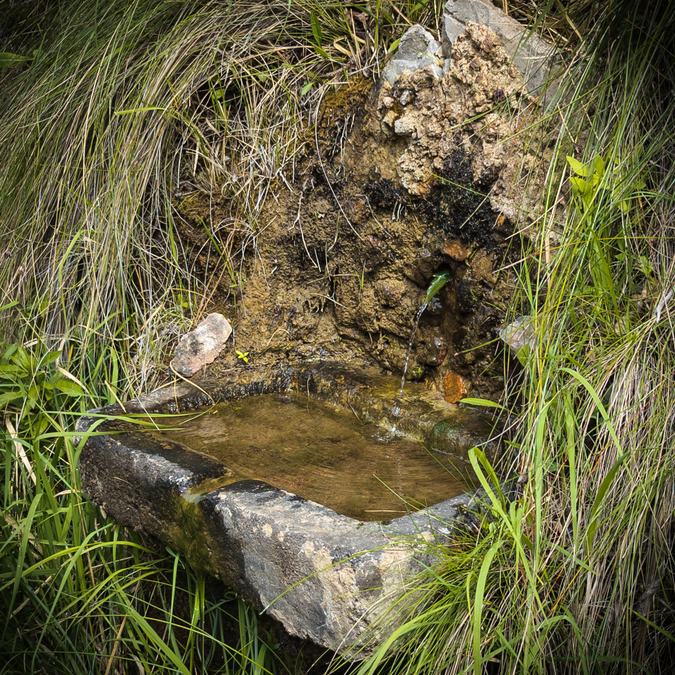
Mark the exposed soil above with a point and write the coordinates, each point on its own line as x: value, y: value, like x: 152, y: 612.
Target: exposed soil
x: 406, y: 181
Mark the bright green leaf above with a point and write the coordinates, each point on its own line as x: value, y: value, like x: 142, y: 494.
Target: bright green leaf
x: 580, y: 186
x: 579, y: 168
x: 482, y: 402
x: 68, y: 387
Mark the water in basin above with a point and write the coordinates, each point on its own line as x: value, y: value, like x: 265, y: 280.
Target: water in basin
x: 323, y: 454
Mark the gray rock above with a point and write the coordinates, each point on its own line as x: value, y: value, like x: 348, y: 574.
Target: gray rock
x: 418, y: 50
x: 533, y: 56
x: 405, y: 125
x: 519, y: 335
x: 201, y: 345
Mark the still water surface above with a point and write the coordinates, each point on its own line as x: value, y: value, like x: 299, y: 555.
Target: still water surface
x: 329, y: 456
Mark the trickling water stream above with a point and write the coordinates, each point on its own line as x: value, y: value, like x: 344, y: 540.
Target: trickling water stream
x: 396, y: 408
x: 411, y: 342
x: 439, y: 280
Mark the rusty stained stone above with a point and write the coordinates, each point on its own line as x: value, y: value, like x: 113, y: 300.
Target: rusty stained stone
x: 456, y: 250
x: 455, y: 387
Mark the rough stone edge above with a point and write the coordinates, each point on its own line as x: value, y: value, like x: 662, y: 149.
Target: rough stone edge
x: 535, y: 57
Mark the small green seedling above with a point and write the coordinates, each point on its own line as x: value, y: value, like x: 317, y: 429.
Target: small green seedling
x: 436, y: 285
x: 242, y: 356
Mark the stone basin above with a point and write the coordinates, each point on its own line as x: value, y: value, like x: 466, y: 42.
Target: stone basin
x: 316, y: 501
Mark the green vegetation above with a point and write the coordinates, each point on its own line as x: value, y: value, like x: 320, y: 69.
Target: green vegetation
x: 121, y: 105
x: 76, y: 594
x: 124, y: 104
x: 436, y: 285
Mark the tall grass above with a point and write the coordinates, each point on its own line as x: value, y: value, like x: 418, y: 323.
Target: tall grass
x: 577, y: 574
x: 77, y: 594
x: 130, y: 108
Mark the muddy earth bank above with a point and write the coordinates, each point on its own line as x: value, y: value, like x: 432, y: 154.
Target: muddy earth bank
x: 420, y: 174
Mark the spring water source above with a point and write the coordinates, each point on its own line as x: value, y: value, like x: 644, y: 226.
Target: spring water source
x: 321, y: 453
x: 437, y: 283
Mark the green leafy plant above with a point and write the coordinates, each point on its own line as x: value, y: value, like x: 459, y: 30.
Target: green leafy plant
x: 587, y: 178
x: 30, y: 382
x: 437, y: 283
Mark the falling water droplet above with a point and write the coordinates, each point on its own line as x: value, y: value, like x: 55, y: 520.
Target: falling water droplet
x: 411, y: 342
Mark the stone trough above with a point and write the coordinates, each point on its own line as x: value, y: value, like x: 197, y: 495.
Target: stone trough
x: 325, y: 576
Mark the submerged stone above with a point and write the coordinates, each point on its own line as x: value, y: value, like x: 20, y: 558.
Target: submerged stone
x: 455, y: 387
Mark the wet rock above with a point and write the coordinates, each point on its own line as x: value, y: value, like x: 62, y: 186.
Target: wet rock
x: 455, y: 387
x: 529, y: 53
x: 431, y: 347
x: 449, y: 437
x: 202, y: 345
x: 435, y: 310
x: 418, y: 50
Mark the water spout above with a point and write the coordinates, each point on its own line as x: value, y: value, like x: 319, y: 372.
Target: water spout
x: 411, y: 342
x: 437, y: 283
